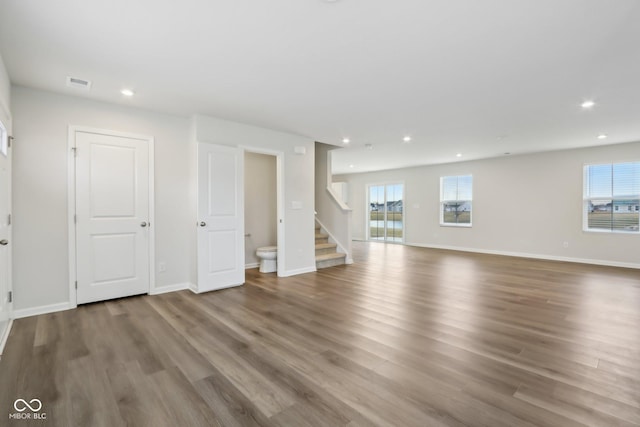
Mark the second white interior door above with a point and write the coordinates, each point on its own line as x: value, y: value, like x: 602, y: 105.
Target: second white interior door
x: 220, y: 217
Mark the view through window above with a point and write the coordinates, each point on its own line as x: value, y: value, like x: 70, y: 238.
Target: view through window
x: 386, y: 212
x: 612, y: 197
x: 456, y: 197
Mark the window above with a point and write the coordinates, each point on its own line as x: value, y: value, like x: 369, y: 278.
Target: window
x: 612, y: 197
x: 386, y: 213
x: 455, y: 200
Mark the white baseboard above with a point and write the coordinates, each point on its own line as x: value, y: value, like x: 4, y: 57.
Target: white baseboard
x: 195, y: 290
x: 43, y: 309
x: 251, y: 265
x: 5, y: 336
x: 290, y: 273
x: 170, y: 288
x: 528, y: 255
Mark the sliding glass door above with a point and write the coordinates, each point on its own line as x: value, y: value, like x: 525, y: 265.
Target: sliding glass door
x: 385, y: 212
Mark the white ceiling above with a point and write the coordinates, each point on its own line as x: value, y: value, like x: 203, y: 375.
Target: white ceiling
x: 478, y: 78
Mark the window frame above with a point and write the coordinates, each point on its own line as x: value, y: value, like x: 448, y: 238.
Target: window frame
x: 614, y: 208
x: 443, y: 201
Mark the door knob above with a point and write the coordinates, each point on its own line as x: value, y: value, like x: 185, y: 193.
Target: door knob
x: 4, y: 242
x: 203, y: 224
x: 143, y: 224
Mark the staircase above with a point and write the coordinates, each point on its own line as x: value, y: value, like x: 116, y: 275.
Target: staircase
x: 326, y: 253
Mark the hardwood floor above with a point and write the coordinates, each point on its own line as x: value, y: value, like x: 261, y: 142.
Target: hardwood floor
x: 404, y: 337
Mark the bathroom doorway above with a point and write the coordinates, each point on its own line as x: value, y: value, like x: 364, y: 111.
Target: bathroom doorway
x: 262, y: 207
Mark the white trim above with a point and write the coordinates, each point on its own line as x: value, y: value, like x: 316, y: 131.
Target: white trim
x: 195, y: 290
x: 341, y: 249
x: 251, y: 265
x: 5, y: 336
x: 152, y: 215
x: 71, y: 203
x: 71, y: 209
x: 299, y: 271
x: 8, y: 129
x: 43, y: 309
x: 280, y: 210
x: 169, y: 288
x: 193, y: 287
x: 529, y: 255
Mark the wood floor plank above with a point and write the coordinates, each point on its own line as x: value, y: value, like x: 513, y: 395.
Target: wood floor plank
x: 231, y: 406
x: 403, y: 337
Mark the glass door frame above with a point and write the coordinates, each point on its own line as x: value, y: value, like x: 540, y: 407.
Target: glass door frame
x: 385, y: 238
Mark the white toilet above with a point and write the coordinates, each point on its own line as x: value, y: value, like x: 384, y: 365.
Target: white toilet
x: 268, y: 258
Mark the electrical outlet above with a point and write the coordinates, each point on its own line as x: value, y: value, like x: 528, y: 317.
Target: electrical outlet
x: 162, y: 267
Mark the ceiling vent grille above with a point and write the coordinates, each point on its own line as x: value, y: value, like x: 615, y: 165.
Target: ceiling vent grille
x: 77, y: 83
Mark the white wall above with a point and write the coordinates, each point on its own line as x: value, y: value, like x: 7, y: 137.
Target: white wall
x: 40, y: 251
x: 298, y: 176
x: 528, y: 205
x: 5, y: 96
x: 260, y: 207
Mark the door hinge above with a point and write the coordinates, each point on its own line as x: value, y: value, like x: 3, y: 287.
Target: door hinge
x: 10, y: 296
x: 75, y: 151
x: 9, y: 140
x: 76, y: 284
x: 75, y: 218
x: 9, y: 219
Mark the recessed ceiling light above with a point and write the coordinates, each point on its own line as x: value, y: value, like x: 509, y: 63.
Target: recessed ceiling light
x: 351, y: 166
x: 459, y: 155
x: 602, y: 136
x: 407, y: 139
x: 346, y: 140
x: 588, y: 104
x: 127, y: 92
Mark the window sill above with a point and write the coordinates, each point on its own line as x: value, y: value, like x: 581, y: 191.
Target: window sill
x: 637, y: 232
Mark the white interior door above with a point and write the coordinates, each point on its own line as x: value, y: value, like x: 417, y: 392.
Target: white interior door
x: 112, y: 216
x: 220, y: 217
x: 5, y: 235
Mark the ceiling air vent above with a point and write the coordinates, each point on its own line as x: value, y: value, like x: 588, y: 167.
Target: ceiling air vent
x: 77, y: 83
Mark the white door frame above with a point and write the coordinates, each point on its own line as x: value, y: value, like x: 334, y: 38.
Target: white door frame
x: 280, y: 211
x: 4, y: 335
x: 71, y: 205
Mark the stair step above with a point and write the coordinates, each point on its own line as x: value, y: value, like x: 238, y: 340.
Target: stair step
x: 329, y: 260
x: 325, y: 248
x: 322, y: 238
